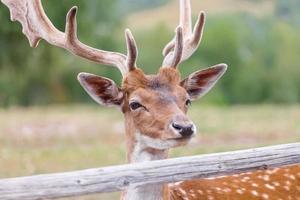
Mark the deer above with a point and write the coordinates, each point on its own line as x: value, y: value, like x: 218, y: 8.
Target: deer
x: 155, y: 106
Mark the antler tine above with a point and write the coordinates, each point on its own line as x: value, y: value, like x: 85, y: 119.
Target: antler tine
x: 78, y: 48
x: 174, y: 57
x: 185, y: 18
x: 191, y: 39
x: 36, y: 26
x: 178, y: 48
x: 198, y: 30
x: 132, y: 51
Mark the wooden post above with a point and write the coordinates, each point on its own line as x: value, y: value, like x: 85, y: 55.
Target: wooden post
x: 116, y: 178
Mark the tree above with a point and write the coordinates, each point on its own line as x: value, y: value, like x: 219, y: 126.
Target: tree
x: 48, y: 74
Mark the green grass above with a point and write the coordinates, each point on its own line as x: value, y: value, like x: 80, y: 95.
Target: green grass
x: 57, y: 139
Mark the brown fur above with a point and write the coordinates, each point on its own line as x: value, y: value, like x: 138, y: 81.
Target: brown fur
x: 161, y: 94
x: 163, y: 97
x: 136, y: 79
x: 274, y: 184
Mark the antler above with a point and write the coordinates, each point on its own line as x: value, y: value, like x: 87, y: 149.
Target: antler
x: 191, y: 39
x: 36, y: 26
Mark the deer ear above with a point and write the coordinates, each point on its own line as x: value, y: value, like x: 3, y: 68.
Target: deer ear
x: 200, y: 82
x: 103, y: 90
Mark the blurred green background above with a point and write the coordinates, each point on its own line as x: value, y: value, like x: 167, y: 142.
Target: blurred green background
x: 49, y: 124
x: 259, y: 40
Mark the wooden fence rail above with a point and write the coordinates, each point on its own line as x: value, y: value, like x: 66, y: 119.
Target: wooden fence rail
x: 116, y: 178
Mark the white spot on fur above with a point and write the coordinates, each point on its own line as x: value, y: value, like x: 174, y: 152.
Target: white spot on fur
x: 276, y: 183
x: 266, y: 177
x: 265, y: 196
x: 245, y: 179
x: 287, y: 188
x: 292, y: 177
x: 254, y: 185
x: 210, y: 198
x: 191, y: 191
x: 200, y: 191
x: 270, y: 187
x: 288, y: 183
x: 239, y: 191
x: 255, y: 193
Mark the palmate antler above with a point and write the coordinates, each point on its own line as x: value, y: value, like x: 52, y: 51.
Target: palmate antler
x: 190, y: 39
x: 36, y: 26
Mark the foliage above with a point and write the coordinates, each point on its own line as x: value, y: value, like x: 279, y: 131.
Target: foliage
x: 127, y: 6
x: 262, y: 54
x: 48, y: 74
x: 289, y: 10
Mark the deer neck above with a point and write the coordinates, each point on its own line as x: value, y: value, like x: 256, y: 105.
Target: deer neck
x: 137, y: 152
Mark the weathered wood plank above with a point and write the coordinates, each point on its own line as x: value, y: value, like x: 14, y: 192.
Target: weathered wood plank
x: 51, y: 186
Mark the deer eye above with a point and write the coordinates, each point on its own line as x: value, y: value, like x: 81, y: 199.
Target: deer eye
x: 135, y: 105
x: 188, y: 102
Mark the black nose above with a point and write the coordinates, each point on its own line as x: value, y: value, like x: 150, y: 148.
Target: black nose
x: 184, y: 130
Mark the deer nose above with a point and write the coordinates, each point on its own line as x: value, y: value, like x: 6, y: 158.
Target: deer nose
x: 184, y: 130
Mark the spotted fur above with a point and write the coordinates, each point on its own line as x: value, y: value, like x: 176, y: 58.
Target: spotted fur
x: 275, y: 184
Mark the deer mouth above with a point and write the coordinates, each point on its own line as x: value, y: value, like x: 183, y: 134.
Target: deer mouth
x: 182, y: 139
x: 177, y: 142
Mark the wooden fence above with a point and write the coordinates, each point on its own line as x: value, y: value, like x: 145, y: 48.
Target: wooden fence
x: 116, y: 178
